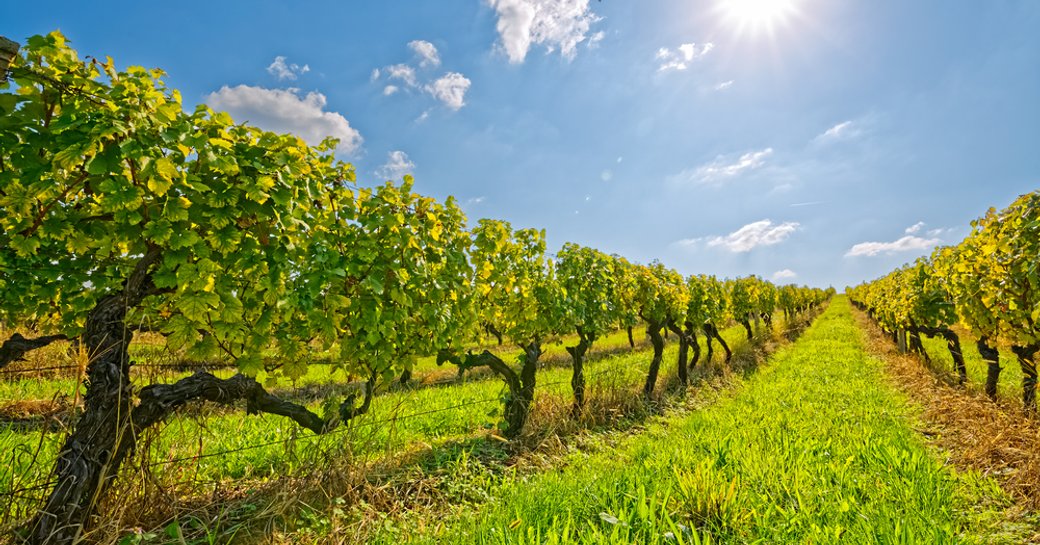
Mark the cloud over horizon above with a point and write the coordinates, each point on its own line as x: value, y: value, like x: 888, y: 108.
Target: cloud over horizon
x: 746, y: 238
x: 907, y: 243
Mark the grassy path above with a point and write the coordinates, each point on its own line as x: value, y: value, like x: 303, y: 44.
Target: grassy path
x: 816, y: 448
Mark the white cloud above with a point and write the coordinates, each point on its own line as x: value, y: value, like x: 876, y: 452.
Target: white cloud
x: 554, y: 24
x: 401, y: 72
x: 595, y: 39
x: 914, y: 228
x: 905, y: 244
x: 845, y: 130
x: 397, y: 165
x: 784, y: 274
x: 450, y: 89
x: 285, y: 71
x: 938, y: 231
x: 375, y: 74
x: 681, y: 57
x: 722, y: 168
x: 427, y: 53
x: 755, y: 234
x: 285, y: 111
x: 722, y: 86
x: 476, y: 200
x: 688, y: 242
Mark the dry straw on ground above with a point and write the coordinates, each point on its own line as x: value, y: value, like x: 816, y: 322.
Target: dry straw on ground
x: 994, y: 438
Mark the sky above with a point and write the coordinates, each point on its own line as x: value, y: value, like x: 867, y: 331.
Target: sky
x: 807, y: 141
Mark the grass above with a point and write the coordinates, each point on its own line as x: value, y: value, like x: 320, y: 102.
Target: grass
x: 207, y: 446
x: 817, y: 448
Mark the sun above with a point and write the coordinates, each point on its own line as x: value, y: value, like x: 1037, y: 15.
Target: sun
x: 758, y: 14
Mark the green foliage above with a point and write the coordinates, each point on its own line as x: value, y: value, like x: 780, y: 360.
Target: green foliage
x: 400, y: 282
x: 589, y: 279
x: 100, y: 166
x: 515, y: 284
x: 661, y: 294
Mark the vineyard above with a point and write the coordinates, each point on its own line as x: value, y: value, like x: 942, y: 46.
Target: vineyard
x: 216, y: 333
x: 987, y: 287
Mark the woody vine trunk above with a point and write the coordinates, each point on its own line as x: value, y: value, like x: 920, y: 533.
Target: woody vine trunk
x: 107, y: 431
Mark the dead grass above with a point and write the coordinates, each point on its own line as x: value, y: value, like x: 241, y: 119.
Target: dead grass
x: 994, y: 438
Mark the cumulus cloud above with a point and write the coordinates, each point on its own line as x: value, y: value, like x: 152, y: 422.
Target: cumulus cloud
x: 450, y: 89
x: 285, y: 111
x: 722, y: 169
x: 285, y: 71
x: 681, y: 57
x: 397, y: 165
x: 427, y: 52
x: 845, y: 130
x: 554, y: 24
x: 755, y: 234
x: 784, y: 274
x: 907, y: 243
x: 401, y: 72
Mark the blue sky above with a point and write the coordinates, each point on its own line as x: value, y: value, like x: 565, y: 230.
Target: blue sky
x: 812, y: 141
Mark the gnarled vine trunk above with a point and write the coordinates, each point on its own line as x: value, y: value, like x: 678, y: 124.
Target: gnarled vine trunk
x: 691, y: 331
x: 991, y: 356
x: 101, y: 438
x: 107, y: 431
x: 684, y: 354
x: 521, y: 385
x: 712, y: 332
x: 916, y: 345
x: 577, y: 353
x: 654, y: 331
x: 953, y: 344
x: 1026, y: 359
x: 631, y: 341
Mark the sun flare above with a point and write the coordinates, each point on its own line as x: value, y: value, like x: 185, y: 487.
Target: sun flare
x: 758, y: 14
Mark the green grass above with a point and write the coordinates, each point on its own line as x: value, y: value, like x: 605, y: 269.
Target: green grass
x: 814, y: 449
x: 427, y: 415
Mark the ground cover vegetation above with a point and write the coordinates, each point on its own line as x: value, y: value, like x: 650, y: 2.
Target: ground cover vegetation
x: 815, y: 448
